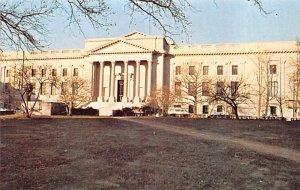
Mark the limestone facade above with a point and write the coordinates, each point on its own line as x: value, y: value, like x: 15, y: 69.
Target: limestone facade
x: 123, y: 71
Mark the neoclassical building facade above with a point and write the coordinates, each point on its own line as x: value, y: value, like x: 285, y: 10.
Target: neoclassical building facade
x: 124, y: 71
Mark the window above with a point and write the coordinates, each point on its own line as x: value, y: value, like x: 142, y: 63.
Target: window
x: 177, y: 88
x: 273, y: 69
x: 273, y: 88
x: 233, y: 88
x: 273, y: 110
x: 43, y: 72
x: 40, y: 106
x: 205, y: 70
x: 75, y: 72
x: 234, y: 69
x: 33, y: 84
x: 219, y: 109
x: 75, y: 88
x: 220, y: 70
x: 53, y: 89
x: 8, y: 73
x: 178, y: 70
x: 192, y: 89
x: 43, y: 88
x: 205, y: 109
x: 54, y: 72
x: 205, y: 90
x: 65, y: 72
x: 191, y: 109
x: 220, y: 87
x: 33, y: 72
x: 191, y: 70
x: 63, y: 88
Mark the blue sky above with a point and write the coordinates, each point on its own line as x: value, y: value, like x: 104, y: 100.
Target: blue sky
x: 230, y: 21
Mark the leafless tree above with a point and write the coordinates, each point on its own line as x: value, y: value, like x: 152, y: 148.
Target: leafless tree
x: 27, y: 80
x: 74, y: 92
x: 192, y: 85
x: 161, y: 99
x: 23, y: 24
x: 233, y: 93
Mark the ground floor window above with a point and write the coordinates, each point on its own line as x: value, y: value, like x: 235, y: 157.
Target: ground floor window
x: 205, y: 109
x: 191, y: 109
x: 219, y: 109
x: 273, y: 110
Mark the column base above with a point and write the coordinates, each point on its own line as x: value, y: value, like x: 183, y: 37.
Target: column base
x: 136, y: 100
x: 100, y: 99
x: 111, y: 99
x: 124, y: 99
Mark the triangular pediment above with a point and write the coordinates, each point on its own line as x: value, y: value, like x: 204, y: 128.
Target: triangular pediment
x: 119, y: 46
x: 136, y: 34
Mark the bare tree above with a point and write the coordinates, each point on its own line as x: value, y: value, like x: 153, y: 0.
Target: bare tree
x: 74, y: 92
x: 234, y: 93
x: 23, y: 24
x: 28, y: 80
x: 161, y: 99
x: 191, y: 85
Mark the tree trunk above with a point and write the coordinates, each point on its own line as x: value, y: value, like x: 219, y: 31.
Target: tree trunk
x: 236, y: 112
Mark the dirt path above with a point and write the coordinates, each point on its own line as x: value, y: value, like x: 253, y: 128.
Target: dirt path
x: 252, y: 145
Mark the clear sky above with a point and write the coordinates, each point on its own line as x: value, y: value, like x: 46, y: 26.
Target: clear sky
x: 227, y: 21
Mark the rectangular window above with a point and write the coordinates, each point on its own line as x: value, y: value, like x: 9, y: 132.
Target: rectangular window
x: 191, y: 70
x: 220, y: 88
x: 53, y: 89
x: 54, y: 72
x: 75, y: 72
x: 8, y: 73
x: 273, y: 88
x: 205, y: 109
x: 205, y: 89
x: 205, y: 70
x: 75, y: 88
x: 43, y: 72
x: 191, y: 88
x: 43, y: 88
x: 65, y: 72
x: 178, y: 70
x: 219, y: 109
x: 63, y: 88
x: 234, y: 69
x: 177, y: 88
x: 233, y: 88
x: 220, y: 70
x: 33, y: 84
x: 273, y: 110
x: 33, y: 72
x: 273, y: 69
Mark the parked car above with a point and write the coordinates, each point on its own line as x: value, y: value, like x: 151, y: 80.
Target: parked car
x: 179, y: 112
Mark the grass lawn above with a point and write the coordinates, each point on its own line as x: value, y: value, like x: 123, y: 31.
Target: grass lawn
x: 136, y: 153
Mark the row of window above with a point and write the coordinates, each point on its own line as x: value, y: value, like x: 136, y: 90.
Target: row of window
x: 192, y: 88
x: 220, y: 70
x: 53, y: 88
x: 220, y: 109
x: 44, y: 72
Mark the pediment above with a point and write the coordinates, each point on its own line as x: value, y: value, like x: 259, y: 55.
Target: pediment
x: 136, y: 35
x: 119, y: 46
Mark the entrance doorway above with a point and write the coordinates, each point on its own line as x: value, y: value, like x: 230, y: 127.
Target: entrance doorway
x: 120, y: 90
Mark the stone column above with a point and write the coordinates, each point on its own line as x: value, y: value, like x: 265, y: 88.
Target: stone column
x: 112, y: 82
x: 101, y: 73
x: 125, y: 95
x: 149, y: 73
x: 137, y: 83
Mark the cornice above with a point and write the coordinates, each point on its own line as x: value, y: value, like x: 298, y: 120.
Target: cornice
x: 49, y: 58
x: 233, y: 53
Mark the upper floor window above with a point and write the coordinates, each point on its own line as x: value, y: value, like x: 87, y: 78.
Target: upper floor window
x: 273, y: 69
x: 63, y: 88
x: 205, y: 70
x: 220, y: 88
x: 54, y: 72
x: 53, y: 89
x: 8, y: 73
x: 273, y: 88
x: 178, y: 70
x: 43, y: 72
x: 75, y: 72
x: 205, y: 88
x: 33, y: 72
x: 234, y: 69
x: 234, y: 88
x: 191, y: 70
x: 220, y: 70
x: 65, y: 72
x: 74, y: 88
x: 43, y: 88
x: 178, y: 88
x: 191, y: 88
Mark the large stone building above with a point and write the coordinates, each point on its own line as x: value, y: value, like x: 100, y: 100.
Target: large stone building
x: 123, y: 71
